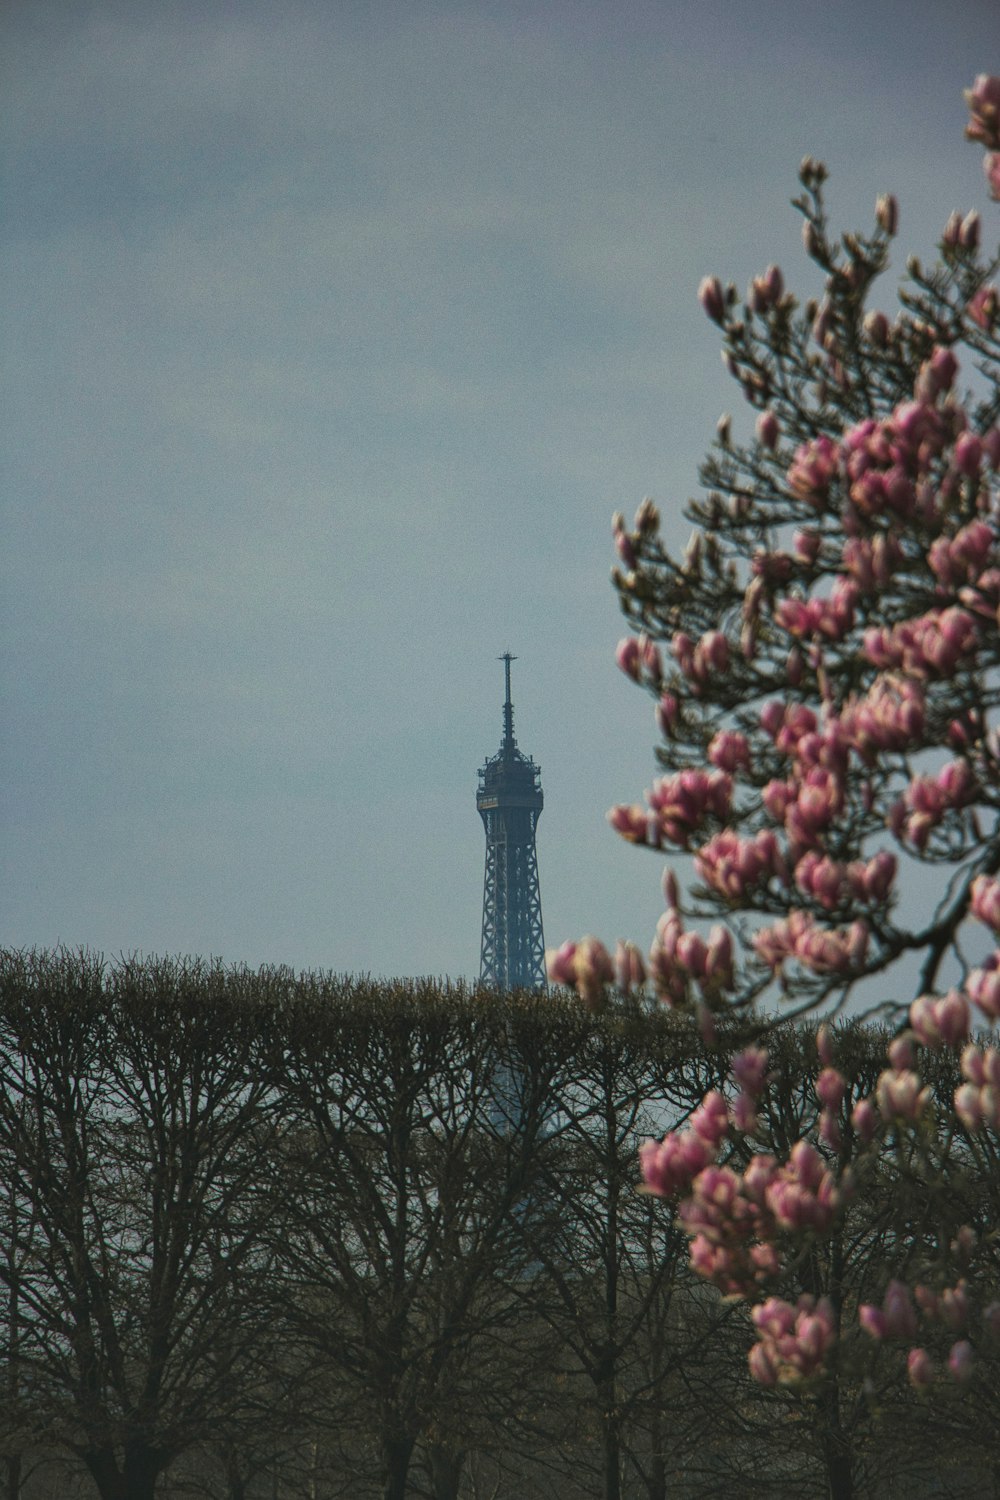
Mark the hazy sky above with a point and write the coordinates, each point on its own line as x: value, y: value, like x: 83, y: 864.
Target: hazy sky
x: 333, y: 335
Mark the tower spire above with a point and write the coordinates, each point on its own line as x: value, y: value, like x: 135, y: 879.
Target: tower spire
x: 510, y: 802
x: 509, y: 741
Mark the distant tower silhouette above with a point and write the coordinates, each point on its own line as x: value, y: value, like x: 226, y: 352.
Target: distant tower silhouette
x: 509, y: 800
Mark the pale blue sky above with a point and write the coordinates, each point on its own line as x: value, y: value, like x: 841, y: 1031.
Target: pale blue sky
x: 334, y: 333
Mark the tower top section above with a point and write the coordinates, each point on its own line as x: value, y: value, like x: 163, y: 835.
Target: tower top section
x: 509, y: 778
x: 510, y: 803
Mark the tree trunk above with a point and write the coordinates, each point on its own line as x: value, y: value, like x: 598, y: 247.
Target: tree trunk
x: 612, y: 1440
x: 446, y: 1466
x: 396, y: 1454
x: 656, y: 1486
x: 134, y: 1480
x: 836, y: 1449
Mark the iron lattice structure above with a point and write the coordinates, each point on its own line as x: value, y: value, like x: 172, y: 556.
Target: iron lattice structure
x: 510, y: 801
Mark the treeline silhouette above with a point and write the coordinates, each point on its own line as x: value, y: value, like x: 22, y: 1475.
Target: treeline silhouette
x: 268, y: 1235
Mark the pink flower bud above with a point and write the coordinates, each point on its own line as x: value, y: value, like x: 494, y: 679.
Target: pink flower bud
x: 943, y: 1022
x: 951, y: 237
x: 712, y: 298
x: 628, y: 657
x: 830, y: 1132
x: 887, y: 213
x: 864, y: 1118
x: 991, y: 166
x: 920, y: 1369
x: 983, y: 987
x: 985, y: 904
x: 968, y: 454
x: 876, y: 329
x: 763, y: 1368
x: 969, y: 233
x: 900, y: 1096
x: 872, y: 1320
x: 954, y: 1307
x: 900, y: 1052
x: 968, y: 1104
x: 960, y: 1361
x: 667, y: 711
x: 900, y: 1318
x: 831, y: 1088
x: 768, y: 430
x: 749, y: 1069
x: 983, y: 307
x: 630, y: 971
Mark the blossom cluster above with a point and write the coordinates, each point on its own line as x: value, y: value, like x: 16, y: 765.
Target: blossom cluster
x: 830, y: 642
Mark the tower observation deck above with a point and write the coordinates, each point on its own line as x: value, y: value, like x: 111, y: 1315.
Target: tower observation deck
x: 510, y: 801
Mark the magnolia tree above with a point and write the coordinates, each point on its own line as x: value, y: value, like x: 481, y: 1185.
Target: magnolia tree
x: 825, y: 659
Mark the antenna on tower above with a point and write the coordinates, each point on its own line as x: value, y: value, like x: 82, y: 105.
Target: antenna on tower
x: 508, y: 708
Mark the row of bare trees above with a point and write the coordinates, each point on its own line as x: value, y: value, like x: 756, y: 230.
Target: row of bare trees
x: 267, y: 1235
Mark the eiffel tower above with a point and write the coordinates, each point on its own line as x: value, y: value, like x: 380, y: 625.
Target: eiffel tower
x: 510, y: 800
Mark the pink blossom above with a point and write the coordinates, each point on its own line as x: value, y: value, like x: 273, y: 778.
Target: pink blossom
x: 765, y: 291
x: 900, y: 1096
x: 983, y: 100
x: 985, y: 904
x: 812, y: 470
x: 794, y: 1341
x: 831, y: 1087
x: 940, y: 1022
x: 731, y: 866
x: 585, y: 966
x: 807, y: 546
x: 749, y: 1069
x: 891, y: 716
x: 983, y: 988
x: 897, y: 1308
x: 931, y: 645
x: 819, y: 801
x: 954, y: 560
x: 983, y: 306
x: 635, y: 824
x: 671, y: 1165
x: 823, y: 950
x: 729, y: 751
x: 710, y: 1120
